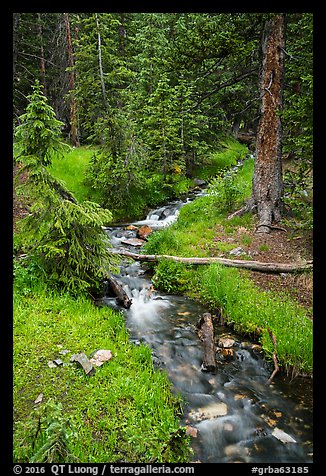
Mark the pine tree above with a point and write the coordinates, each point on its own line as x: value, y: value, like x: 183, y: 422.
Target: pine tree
x: 65, y: 239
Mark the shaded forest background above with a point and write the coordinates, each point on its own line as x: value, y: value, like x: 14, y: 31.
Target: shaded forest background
x: 157, y: 91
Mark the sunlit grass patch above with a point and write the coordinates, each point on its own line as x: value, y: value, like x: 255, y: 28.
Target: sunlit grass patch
x: 71, y: 169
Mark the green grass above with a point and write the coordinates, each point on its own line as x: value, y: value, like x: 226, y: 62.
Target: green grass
x: 253, y: 311
x: 230, y: 151
x: 71, y: 170
x: 244, y: 305
x: 126, y: 411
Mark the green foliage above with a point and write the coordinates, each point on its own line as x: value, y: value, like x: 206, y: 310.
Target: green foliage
x: 298, y: 199
x: 171, y: 276
x: 297, y: 116
x: 71, y: 246
x: 226, y: 191
x: 45, y: 437
x: 64, y: 240
x: 39, y: 130
x: 253, y: 311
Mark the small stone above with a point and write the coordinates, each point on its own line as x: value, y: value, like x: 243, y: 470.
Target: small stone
x: 100, y: 357
x: 64, y: 352
x: 237, y: 252
x: 133, y: 242
x: 131, y: 227
x: 83, y: 362
x: 143, y: 232
x: 51, y: 364
x: 39, y: 398
x: 209, y: 412
x: 228, y: 427
x: 58, y: 362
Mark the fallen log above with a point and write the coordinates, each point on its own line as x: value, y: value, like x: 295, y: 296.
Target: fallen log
x: 119, y: 292
x: 206, y: 335
x: 252, y: 265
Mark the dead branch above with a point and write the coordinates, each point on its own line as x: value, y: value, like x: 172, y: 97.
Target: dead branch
x: 251, y: 265
x: 206, y: 335
x: 276, y: 366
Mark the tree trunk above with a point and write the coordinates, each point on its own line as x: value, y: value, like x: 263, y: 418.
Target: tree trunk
x: 206, y: 335
x: 99, y: 44
x: 267, y: 179
x: 73, y: 117
x: 16, y: 18
x: 42, y: 60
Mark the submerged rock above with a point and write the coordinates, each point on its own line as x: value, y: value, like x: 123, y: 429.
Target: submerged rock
x: 209, y: 412
x: 282, y: 436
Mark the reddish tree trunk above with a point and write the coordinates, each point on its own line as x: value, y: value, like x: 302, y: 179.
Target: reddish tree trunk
x: 267, y: 180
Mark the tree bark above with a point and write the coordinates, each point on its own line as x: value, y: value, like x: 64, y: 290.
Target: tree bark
x: 99, y: 44
x: 119, y: 292
x: 42, y: 60
x: 16, y: 19
x: 73, y: 116
x: 267, y: 190
x: 206, y: 335
x: 252, y: 265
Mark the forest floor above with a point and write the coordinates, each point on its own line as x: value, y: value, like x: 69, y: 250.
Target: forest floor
x: 279, y: 247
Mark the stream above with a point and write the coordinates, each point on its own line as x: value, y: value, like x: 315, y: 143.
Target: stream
x: 233, y: 415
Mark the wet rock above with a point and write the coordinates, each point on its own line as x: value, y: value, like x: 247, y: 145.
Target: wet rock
x: 191, y: 431
x: 199, y: 182
x: 282, y: 436
x: 228, y: 427
x: 226, y: 354
x: 131, y: 227
x: 133, y: 241
x: 209, y: 412
x: 143, y: 232
x: 236, y: 450
x: 225, y: 342
x: 260, y: 431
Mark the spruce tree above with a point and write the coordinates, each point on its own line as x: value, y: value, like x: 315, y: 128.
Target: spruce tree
x: 63, y: 238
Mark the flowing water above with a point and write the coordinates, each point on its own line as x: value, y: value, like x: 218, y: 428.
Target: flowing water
x: 233, y: 415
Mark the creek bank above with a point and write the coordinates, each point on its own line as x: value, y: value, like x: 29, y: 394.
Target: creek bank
x: 230, y: 415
